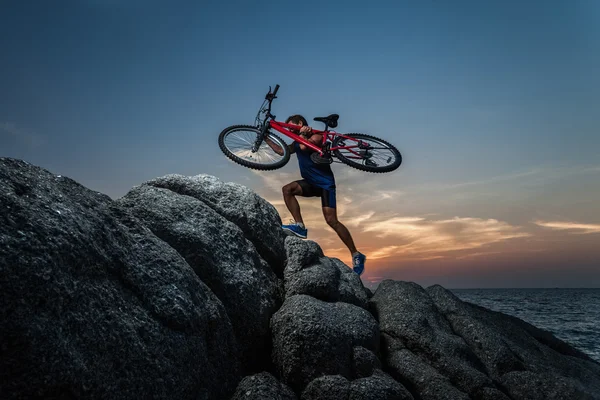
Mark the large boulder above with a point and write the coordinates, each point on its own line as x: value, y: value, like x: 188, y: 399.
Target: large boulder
x: 309, y: 272
x: 94, y: 305
x: 222, y: 257
x: 313, y: 338
x: 263, y: 386
x: 378, y: 386
x: 442, y: 348
x: 256, y: 217
x: 519, y: 356
x: 407, y: 314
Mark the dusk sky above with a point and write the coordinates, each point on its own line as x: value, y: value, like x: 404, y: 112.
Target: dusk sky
x: 494, y: 105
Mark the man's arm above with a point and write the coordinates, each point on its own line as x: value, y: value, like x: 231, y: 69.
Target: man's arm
x: 306, y: 133
x: 276, y: 148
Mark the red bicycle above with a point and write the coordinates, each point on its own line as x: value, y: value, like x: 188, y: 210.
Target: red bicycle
x: 245, y: 144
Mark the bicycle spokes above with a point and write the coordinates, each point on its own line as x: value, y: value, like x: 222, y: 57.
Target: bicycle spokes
x: 247, y: 145
x: 371, y: 153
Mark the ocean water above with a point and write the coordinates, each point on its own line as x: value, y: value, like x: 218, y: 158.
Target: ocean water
x: 572, y: 315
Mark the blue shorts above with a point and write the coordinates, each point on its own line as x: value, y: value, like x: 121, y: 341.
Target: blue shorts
x: 310, y: 190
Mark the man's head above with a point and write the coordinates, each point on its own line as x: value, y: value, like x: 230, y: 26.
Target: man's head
x: 296, y: 119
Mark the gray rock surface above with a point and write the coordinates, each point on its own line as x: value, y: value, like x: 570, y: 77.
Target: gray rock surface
x: 442, y: 348
x: 256, y: 217
x: 364, y: 362
x: 309, y: 272
x: 328, y: 387
x: 508, y: 345
x: 93, y: 305
x: 313, y: 338
x: 378, y: 386
x: 107, y: 299
x: 407, y: 313
x: 263, y: 386
x: 222, y: 257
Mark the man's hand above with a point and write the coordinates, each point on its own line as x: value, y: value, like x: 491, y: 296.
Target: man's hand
x: 306, y: 131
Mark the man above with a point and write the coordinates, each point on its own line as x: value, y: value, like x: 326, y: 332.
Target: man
x: 318, y: 181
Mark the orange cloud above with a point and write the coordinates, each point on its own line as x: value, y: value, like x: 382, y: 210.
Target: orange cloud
x: 574, y: 227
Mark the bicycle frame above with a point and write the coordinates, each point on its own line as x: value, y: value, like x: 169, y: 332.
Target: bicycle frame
x: 287, y: 129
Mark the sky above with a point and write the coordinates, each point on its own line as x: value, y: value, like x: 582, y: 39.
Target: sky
x: 495, y: 107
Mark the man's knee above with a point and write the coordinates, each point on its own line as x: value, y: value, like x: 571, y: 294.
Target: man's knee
x: 287, y: 189
x: 331, y: 220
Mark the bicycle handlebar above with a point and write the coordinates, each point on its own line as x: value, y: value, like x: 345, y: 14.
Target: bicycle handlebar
x: 272, y: 95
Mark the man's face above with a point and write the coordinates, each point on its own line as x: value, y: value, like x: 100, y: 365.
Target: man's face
x: 299, y: 125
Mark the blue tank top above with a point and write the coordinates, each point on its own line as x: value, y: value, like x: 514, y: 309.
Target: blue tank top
x: 319, y: 175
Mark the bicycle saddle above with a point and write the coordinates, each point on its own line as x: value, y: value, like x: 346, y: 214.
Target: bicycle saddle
x: 330, y: 121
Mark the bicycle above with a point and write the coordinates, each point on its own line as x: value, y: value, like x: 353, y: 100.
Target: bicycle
x: 246, y: 145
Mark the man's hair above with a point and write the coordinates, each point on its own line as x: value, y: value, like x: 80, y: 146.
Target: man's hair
x: 296, y: 119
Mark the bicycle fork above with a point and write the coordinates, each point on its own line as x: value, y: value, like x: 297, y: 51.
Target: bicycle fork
x: 260, y: 138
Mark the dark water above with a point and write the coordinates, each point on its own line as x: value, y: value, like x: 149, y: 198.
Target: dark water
x: 572, y: 315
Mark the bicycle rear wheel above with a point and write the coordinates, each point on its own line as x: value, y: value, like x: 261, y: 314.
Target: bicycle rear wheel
x: 371, y: 155
x: 237, y: 143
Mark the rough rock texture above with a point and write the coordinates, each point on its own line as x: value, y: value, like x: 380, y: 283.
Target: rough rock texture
x: 442, y: 348
x: 313, y: 338
x: 223, y: 259
x: 263, y: 386
x: 328, y: 279
x: 512, y: 349
x: 257, y: 218
x: 93, y: 305
x: 328, y: 387
x: 379, y: 386
x: 107, y: 299
x: 364, y: 362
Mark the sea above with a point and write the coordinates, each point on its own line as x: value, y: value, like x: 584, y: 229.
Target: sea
x: 572, y: 315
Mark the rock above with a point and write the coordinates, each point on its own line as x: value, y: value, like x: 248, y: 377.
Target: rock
x: 93, y: 305
x: 534, y: 386
x: 328, y: 279
x: 223, y: 259
x: 508, y: 345
x: 491, y: 394
x: 328, y: 387
x: 364, y: 362
x: 378, y: 386
x: 263, y: 386
x: 312, y: 338
x: 407, y: 313
x: 256, y: 217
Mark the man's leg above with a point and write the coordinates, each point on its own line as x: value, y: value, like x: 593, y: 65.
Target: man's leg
x: 330, y: 215
x: 290, y: 191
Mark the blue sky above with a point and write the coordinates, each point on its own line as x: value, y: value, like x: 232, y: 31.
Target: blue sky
x: 494, y: 106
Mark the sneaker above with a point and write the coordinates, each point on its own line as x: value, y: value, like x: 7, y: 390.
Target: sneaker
x: 358, y: 263
x: 296, y: 230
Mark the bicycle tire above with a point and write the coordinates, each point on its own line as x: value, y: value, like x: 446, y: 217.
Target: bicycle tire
x: 362, y: 165
x: 250, y: 164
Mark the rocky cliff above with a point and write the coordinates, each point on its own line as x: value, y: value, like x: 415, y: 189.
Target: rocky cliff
x: 186, y: 288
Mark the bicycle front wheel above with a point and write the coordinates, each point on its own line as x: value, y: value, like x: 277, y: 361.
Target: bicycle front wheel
x: 367, y: 153
x: 237, y: 143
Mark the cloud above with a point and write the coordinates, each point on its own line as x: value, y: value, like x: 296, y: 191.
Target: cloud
x: 575, y: 227
x: 274, y: 181
x: 10, y: 129
x: 429, y: 239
